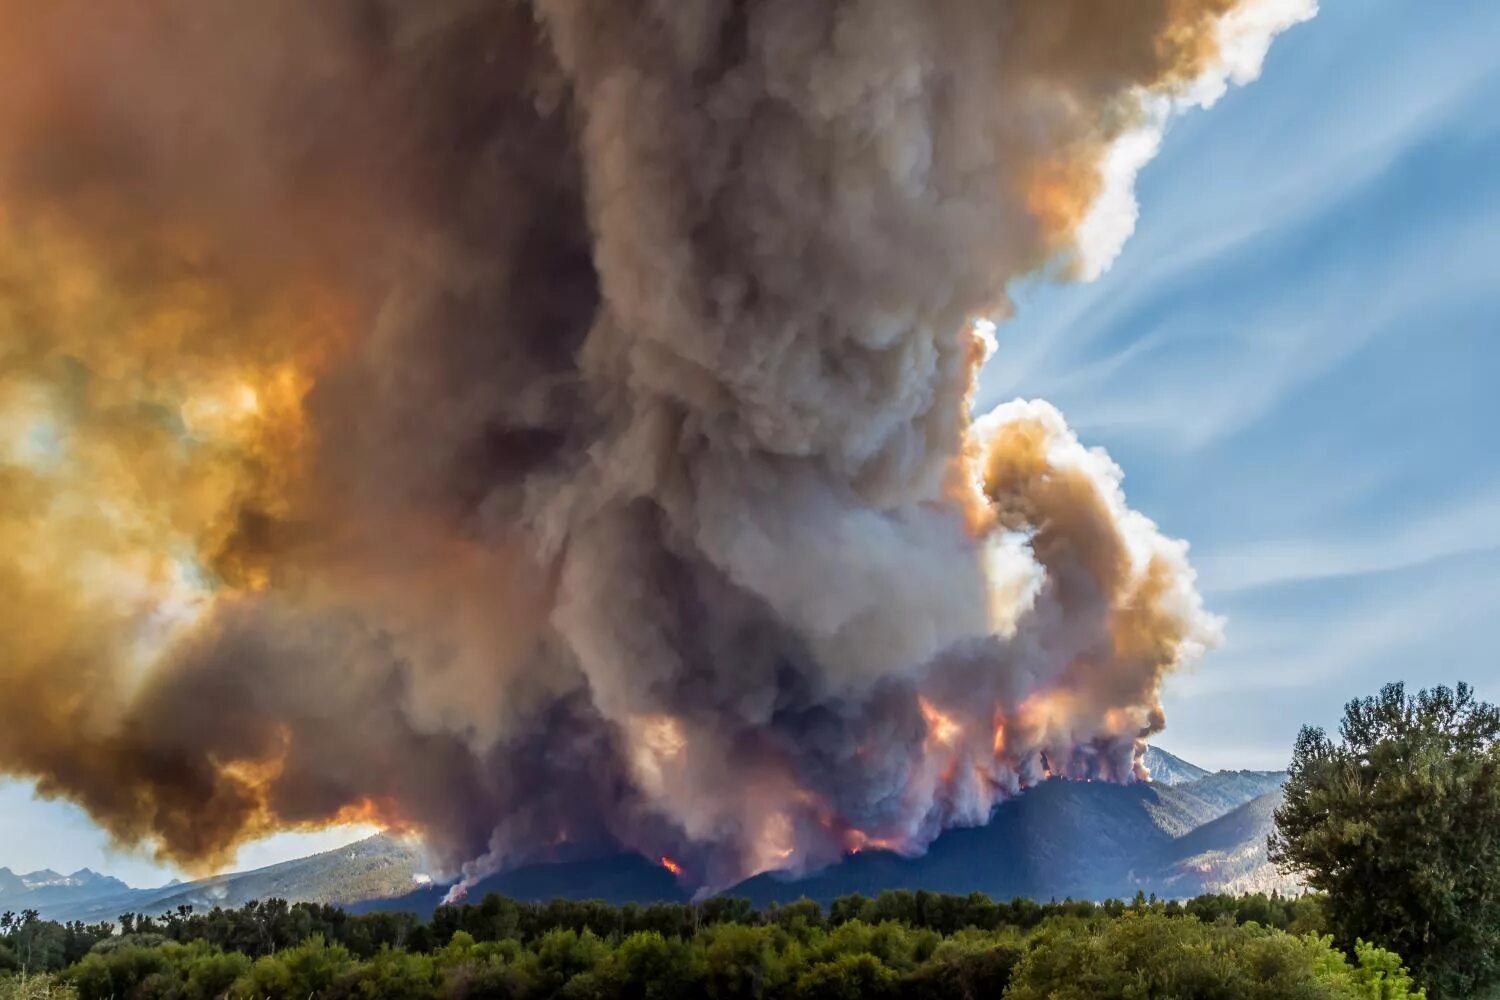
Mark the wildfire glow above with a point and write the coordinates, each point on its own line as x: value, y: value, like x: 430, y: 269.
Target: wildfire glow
x: 857, y: 841
x: 941, y: 727
x: 778, y: 836
x: 344, y: 418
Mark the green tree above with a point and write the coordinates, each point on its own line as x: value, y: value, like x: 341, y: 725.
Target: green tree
x: 563, y: 954
x: 742, y: 963
x: 397, y: 975
x: 210, y: 975
x: 39, y: 945
x: 1399, y: 823
x: 848, y: 977
x: 1148, y: 954
x: 117, y: 972
x: 310, y: 969
x: 647, y: 966
x: 1379, y: 974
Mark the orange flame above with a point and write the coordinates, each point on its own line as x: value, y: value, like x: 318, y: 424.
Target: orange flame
x: 671, y: 865
x: 857, y: 840
x: 940, y: 727
x: 382, y: 812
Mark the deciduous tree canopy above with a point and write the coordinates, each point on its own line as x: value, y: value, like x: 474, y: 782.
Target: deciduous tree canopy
x: 1399, y: 823
x: 903, y: 945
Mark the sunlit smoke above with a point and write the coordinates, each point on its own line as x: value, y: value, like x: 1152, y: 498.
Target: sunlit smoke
x: 545, y: 428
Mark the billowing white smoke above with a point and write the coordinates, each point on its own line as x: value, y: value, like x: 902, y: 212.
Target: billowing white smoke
x: 1243, y: 37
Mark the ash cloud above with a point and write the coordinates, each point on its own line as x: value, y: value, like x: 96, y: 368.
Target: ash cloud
x: 546, y: 425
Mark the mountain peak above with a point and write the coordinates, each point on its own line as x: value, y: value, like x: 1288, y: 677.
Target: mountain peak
x: 1188, y: 830
x: 1169, y: 769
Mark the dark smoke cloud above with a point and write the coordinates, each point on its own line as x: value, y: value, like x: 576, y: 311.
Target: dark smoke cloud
x: 545, y: 425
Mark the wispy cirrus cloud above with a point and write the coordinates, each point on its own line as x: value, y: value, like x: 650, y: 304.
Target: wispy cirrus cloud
x: 1236, y: 290
x: 1290, y: 358
x: 1297, y: 652
x: 1464, y: 527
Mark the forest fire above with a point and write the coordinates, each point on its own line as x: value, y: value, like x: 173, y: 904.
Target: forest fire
x: 941, y: 728
x: 504, y: 467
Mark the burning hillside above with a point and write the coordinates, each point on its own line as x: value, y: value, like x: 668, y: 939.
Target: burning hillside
x: 541, y: 425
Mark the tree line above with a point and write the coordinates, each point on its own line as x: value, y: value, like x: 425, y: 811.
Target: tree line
x: 262, y: 928
x: 897, y: 945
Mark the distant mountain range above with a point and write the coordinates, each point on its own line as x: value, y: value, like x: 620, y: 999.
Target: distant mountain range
x: 46, y: 888
x: 1185, y: 832
x: 377, y: 867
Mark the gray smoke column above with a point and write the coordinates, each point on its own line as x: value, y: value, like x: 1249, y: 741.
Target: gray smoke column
x: 546, y: 427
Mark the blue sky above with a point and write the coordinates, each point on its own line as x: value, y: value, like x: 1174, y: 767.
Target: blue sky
x: 1295, y: 361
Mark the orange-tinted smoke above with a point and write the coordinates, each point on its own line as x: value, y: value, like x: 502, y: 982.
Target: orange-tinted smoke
x: 396, y: 400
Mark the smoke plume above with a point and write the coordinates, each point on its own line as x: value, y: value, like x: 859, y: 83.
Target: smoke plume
x: 542, y: 425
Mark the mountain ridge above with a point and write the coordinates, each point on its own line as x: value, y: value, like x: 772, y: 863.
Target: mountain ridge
x: 377, y: 866
x: 1169, y: 769
x: 1188, y: 830
x: 43, y: 885
x: 1062, y: 838
x: 1227, y: 854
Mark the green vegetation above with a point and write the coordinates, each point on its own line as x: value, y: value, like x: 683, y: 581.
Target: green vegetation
x: 901, y: 944
x: 38, y: 987
x: 30, y: 944
x: 1399, y: 823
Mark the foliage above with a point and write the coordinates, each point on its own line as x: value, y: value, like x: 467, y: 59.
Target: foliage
x: 1399, y: 823
x: 850, y: 976
x: 38, y: 987
x: 31, y: 944
x: 1147, y: 954
x: 900, y: 944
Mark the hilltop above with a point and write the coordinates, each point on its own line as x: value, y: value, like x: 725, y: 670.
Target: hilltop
x: 1187, y: 831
